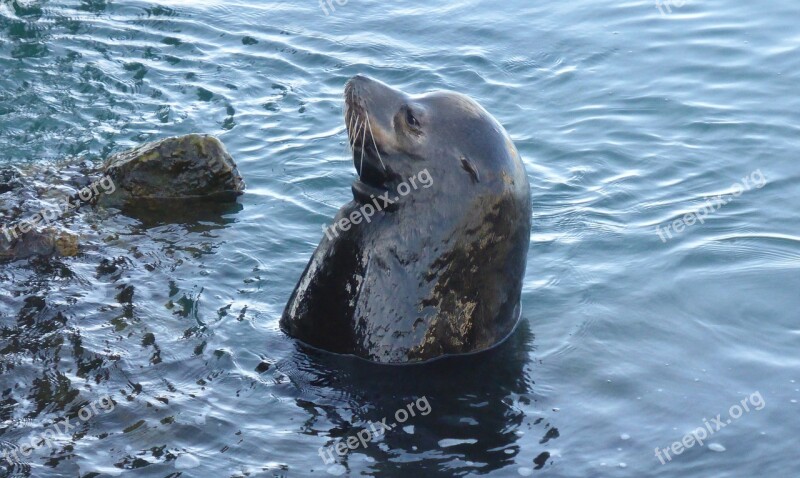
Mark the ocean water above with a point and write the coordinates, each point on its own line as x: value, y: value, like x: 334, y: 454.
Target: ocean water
x: 661, y: 293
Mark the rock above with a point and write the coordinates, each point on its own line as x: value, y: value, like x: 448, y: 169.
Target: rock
x: 36, y: 201
x: 185, y: 167
x: 10, y: 179
x: 33, y: 205
x: 46, y: 242
x: 66, y: 244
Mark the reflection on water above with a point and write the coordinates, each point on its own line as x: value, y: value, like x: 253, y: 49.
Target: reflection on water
x: 474, y: 402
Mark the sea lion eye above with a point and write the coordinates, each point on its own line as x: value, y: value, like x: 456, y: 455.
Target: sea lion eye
x: 411, y: 119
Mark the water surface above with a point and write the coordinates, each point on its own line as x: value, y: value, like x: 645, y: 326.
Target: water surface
x: 627, y: 119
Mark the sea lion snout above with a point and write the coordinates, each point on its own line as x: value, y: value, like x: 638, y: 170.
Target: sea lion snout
x: 368, y: 116
x: 374, y: 103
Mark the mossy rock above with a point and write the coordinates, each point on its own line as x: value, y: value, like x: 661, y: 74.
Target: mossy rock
x: 186, y: 167
x: 46, y: 242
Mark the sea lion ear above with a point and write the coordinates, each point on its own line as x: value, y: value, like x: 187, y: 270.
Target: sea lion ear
x: 467, y: 165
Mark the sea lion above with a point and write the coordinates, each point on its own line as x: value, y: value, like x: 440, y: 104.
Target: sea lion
x: 408, y: 274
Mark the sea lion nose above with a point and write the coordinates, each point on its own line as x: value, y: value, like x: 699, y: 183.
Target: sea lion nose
x: 366, y: 85
x: 360, y: 84
x: 375, y: 93
x: 361, y: 79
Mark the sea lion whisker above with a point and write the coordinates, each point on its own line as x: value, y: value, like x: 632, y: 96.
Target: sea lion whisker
x: 352, y: 139
x: 345, y: 110
x: 363, y: 147
x: 349, y: 131
x: 359, y: 128
x: 372, y: 135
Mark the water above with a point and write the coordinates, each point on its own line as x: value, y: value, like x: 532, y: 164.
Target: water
x: 627, y: 119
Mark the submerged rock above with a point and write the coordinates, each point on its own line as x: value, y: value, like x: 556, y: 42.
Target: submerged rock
x: 185, y: 167
x: 10, y: 179
x: 45, y: 242
x: 36, y: 203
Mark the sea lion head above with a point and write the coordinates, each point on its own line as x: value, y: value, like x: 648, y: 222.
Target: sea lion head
x: 395, y: 135
x: 429, y: 257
